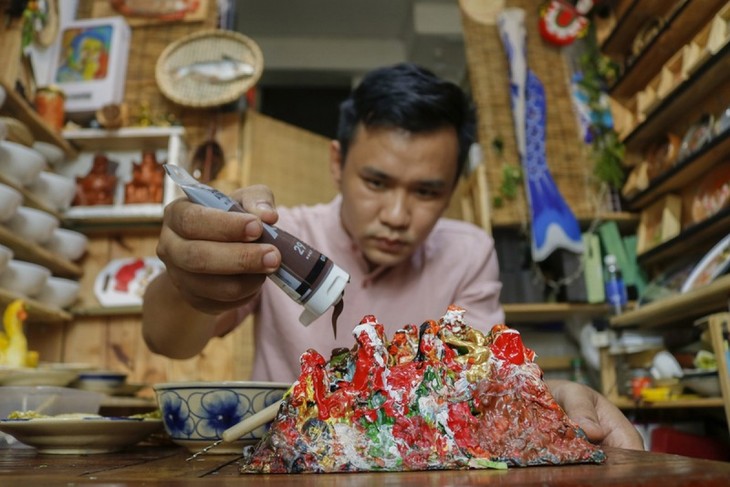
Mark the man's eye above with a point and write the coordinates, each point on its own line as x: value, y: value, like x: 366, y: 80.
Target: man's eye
x: 374, y: 183
x: 428, y: 193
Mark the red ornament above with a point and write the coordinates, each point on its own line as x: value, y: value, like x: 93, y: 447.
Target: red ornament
x: 561, y: 23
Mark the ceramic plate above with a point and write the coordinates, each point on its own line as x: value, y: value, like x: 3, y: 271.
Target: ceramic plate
x: 36, y: 377
x: 123, y: 281
x: 80, y: 436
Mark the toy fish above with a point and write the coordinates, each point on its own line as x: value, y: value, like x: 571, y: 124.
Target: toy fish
x: 554, y: 225
x: 219, y: 71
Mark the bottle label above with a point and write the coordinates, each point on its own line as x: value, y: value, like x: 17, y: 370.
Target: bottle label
x: 302, y: 267
x: 616, y: 292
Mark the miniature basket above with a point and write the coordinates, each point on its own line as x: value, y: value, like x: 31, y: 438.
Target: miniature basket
x: 207, y: 46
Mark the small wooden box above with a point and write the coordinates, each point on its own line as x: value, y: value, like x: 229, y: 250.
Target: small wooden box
x: 659, y: 222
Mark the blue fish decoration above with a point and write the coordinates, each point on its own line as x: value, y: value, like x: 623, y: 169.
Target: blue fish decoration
x: 554, y: 225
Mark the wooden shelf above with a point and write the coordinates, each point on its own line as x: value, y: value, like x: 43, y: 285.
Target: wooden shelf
x: 551, y: 312
x: 627, y: 221
x: 97, y: 311
x: 626, y: 403
x: 711, y: 75
x: 686, y: 171
x: 135, y: 138
x: 680, y: 308
x: 678, y: 30
x: 691, y: 240
x: 619, y: 41
x: 37, y: 312
x: 31, y: 252
x: 18, y: 108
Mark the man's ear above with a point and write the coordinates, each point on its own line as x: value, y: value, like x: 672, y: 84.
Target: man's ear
x: 336, y: 162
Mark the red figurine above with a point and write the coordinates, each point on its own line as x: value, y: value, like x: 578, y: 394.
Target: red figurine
x: 97, y: 187
x: 147, y: 178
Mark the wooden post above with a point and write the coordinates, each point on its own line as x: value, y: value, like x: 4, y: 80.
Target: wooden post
x: 719, y: 326
x: 11, y: 39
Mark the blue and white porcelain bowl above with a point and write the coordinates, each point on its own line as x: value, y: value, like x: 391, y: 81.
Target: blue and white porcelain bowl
x: 195, y: 414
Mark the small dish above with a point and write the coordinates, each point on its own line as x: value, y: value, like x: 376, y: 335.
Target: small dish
x: 665, y: 366
x: 58, y: 292
x: 20, y: 164
x: 55, y: 190
x: 52, y: 153
x: 6, y: 255
x: 68, y: 243
x: 100, y: 380
x: 34, y: 225
x: 80, y: 436
x: 23, y: 277
x: 696, y: 136
x: 10, y: 201
x: 703, y: 382
x: 28, y: 376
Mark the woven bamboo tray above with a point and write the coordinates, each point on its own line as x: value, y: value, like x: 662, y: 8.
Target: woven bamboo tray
x: 203, y: 47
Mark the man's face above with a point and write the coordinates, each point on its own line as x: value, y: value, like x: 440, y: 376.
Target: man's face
x: 395, y: 185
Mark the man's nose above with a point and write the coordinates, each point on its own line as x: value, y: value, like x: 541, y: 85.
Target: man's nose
x: 396, y: 212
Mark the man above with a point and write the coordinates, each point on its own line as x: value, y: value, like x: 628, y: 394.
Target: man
x: 402, y: 143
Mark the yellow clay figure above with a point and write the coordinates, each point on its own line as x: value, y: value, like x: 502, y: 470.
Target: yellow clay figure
x: 15, y: 350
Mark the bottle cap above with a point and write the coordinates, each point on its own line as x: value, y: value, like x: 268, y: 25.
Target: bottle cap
x: 609, y: 259
x: 326, y: 295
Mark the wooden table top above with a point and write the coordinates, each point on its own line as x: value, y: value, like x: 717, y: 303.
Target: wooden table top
x: 148, y: 465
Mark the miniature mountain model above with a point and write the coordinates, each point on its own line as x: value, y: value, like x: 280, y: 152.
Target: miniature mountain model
x: 443, y: 397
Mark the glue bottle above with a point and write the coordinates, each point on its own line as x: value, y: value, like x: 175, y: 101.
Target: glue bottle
x: 305, y: 275
x: 615, y: 287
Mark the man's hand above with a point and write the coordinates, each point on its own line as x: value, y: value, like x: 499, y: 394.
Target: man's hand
x: 602, y: 422
x: 210, y: 255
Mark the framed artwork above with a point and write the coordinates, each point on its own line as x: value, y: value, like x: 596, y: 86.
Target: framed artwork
x: 90, y: 63
x: 144, y: 12
x: 714, y: 264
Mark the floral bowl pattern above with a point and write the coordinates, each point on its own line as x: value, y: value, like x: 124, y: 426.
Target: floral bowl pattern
x: 195, y: 414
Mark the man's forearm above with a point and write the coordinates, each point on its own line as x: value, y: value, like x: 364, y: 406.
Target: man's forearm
x: 170, y: 325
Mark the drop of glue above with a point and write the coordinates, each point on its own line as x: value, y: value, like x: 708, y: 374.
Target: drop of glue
x: 337, y: 312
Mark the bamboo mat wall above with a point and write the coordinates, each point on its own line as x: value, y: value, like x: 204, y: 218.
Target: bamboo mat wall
x: 146, y: 45
x: 568, y: 158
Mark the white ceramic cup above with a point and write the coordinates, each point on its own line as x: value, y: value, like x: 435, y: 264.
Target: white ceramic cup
x: 54, y: 190
x: 20, y: 164
x: 10, y: 200
x: 52, y: 153
x: 34, y: 225
x: 665, y: 366
x: 24, y: 278
x: 58, y: 292
x: 6, y: 255
x: 67, y: 243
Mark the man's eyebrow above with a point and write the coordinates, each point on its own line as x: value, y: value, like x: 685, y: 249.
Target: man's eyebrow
x: 374, y: 173
x: 432, y: 184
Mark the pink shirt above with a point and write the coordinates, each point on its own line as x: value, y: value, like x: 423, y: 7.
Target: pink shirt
x: 457, y: 264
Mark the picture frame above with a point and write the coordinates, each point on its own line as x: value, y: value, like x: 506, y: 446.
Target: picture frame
x: 90, y: 63
x: 140, y: 13
x: 715, y: 263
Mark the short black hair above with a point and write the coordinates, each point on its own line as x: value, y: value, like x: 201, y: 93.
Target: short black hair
x: 409, y: 97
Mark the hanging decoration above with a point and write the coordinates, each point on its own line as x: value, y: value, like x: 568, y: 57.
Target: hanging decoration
x: 40, y: 22
x: 553, y: 224
x: 561, y: 22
